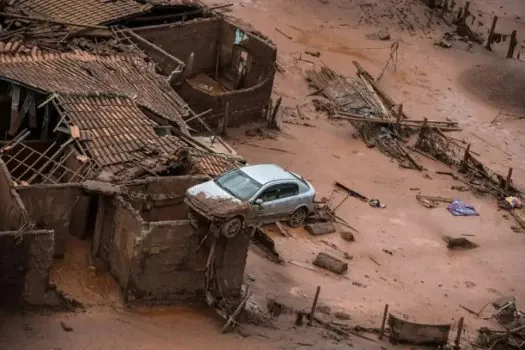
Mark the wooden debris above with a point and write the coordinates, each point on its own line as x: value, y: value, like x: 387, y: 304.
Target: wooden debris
x: 282, y: 229
x: 330, y: 263
x: 459, y: 243
x: 283, y: 33
x: 320, y: 228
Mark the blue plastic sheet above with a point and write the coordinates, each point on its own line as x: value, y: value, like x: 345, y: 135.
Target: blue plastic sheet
x: 458, y: 208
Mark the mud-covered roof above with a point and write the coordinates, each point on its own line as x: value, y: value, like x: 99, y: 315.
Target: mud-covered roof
x: 212, y: 164
x: 84, y: 73
x: 115, y: 133
x: 86, y: 12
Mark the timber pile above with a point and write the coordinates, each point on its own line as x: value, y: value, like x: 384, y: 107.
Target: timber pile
x: 381, y: 123
x: 433, y: 142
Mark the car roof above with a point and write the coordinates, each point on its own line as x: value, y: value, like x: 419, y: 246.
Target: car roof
x: 264, y: 173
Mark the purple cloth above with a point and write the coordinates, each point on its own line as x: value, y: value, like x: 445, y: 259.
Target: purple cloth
x: 458, y: 208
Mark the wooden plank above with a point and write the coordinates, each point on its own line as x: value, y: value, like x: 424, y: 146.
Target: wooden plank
x: 15, y: 100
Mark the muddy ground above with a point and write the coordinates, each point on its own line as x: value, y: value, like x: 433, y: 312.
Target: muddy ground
x: 399, y: 256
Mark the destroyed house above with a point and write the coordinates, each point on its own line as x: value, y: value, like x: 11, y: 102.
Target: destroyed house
x: 95, y: 145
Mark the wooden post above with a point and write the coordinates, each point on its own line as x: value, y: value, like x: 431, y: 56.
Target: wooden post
x: 465, y: 12
x: 458, y: 336
x: 383, y: 322
x: 512, y: 44
x: 272, y: 123
x: 452, y: 5
x: 460, y: 13
x: 399, y: 116
x: 225, y: 118
x: 490, y: 39
x: 189, y: 65
x: 464, y: 163
x: 444, y: 9
x: 314, y: 305
x: 509, y: 179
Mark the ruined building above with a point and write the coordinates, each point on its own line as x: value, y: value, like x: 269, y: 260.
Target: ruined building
x: 97, y: 142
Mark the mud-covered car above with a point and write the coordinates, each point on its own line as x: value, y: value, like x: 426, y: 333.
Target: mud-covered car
x: 253, y: 194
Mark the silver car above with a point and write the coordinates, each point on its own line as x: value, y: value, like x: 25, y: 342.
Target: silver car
x: 253, y: 194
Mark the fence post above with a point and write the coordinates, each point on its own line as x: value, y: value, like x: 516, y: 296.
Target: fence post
x: 512, y: 44
x: 490, y: 39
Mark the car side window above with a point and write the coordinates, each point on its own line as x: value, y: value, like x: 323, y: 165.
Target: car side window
x: 288, y: 190
x: 270, y: 194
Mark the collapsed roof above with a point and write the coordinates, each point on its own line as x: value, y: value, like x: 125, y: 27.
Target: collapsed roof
x: 84, y: 73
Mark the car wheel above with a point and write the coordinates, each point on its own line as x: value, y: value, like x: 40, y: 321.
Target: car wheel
x: 298, y: 217
x: 231, y: 227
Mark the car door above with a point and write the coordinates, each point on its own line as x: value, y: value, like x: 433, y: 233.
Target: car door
x: 287, y: 201
x: 266, y: 209
x: 277, y: 202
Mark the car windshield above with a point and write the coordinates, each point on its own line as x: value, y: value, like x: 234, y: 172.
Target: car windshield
x: 238, y: 184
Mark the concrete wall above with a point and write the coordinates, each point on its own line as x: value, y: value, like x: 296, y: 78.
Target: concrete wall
x: 181, y: 39
x: 127, y: 229
x: 50, y: 207
x: 25, y: 267
x: 162, y: 199
x: 12, y: 211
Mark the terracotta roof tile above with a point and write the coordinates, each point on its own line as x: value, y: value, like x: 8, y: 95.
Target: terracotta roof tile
x: 122, y: 136
x: 83, y: 73
x: 88, y: 12
x: 212, y: 164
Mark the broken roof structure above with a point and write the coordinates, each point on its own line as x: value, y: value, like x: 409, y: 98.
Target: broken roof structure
x: 84, y: 73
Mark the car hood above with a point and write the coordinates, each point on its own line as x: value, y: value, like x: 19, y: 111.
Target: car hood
x: 213, y: 200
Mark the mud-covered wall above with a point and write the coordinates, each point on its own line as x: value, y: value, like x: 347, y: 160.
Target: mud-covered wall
x: 162, y: 199
x: 169, y: 263
x: 248, y: 103
x: 50, y: 207
x: 202, y: 37
x: 262, y: 54
x: 160, y: 267
x: 25, y: 267
x: 12, y: 211
x: 181, y: 39
x: 127, y: 228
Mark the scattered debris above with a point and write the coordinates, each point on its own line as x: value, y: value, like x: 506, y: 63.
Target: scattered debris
x: 330, y: 263
x: 333, y: 246
x: 347, y: 236
x: 459, y: 243
x: 65, y: 327
x: 276, y: 308
x: 389, y: 252
x: 324, y: 309
x: 402, y: 331
x: 267, y: 244
x: 313, y: 53
x: 510, y: 203
x: 374, y: 260
x: 373, y: 113
x: 458, y: 208
x: 443, y: 43
x: 342, y: 315
x: 379, y: 35
x: 283, y: 33
x: 374, y: 203
x: 321, y: 228
x: 432, y: 201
